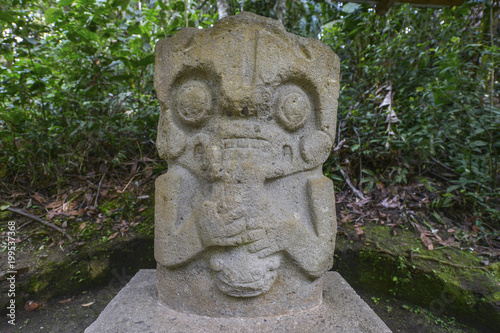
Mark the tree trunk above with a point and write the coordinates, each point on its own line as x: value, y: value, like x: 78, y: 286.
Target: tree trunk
x: 280, y: 10
x: 224, y: 8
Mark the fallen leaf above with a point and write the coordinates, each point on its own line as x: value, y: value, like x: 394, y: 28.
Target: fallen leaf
x: 427, y: 242
x: 50, y: 215
x: 347, y: 217
x: 390, y: 203
x: 111, y: 211
x: 339, y: 198
x: 82, y: 226
x: 88, y: 304
x: 88, y: 198
x: 358, y: 229
x: 470, y: 219
x: 77, y: 212
x: 148, y: 173
x: 4, y: 205
x: 55, y: 204
x: 104, y: 192
x: 113, y: 235
x: 449, y: 242
x: 39, y: 198
x: 67, y: 300
x: 133, y: 168
x: 30, y: 305
x: 451, y: 230
x: 68, y: 206
x: 437, y: 237
x: 92, y: 211
x: 420, y: 228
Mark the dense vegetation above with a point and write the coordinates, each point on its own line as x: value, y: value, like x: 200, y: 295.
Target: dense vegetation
x: 419, y: 96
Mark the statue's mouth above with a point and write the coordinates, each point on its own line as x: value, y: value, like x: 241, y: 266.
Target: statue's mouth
x: 245, y: 143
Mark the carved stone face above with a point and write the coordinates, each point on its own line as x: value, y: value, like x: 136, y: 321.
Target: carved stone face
x: 246, y: 94
x: 248, y: 117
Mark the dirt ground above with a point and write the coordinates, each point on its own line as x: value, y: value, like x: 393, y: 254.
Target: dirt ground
x: 73, y: 313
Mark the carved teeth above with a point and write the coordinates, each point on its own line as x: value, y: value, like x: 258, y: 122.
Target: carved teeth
x: 229, y: 144
x: 242, y: 143
x: 245, y: 143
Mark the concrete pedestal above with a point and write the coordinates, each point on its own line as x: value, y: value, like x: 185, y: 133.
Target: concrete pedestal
x: 136, y: 309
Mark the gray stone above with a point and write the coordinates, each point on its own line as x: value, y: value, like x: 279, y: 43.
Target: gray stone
x: 137, y: 309
x: 244, y: 219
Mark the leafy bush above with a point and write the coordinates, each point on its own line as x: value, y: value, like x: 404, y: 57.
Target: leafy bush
x: 419, y: 91
x: 419, y: 94
x: 77, y: 82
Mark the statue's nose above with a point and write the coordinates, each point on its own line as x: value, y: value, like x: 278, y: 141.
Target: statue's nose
x: 240, y: 110
x: 240, y: 103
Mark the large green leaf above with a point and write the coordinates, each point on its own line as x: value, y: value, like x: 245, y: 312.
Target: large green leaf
x: 52, y: 15
x: 149, y: 59
x: 4, y: 205
x: 6, y: 16
x: 63, y: 3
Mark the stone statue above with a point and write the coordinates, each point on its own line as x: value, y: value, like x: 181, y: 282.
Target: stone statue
x: 244, y: 219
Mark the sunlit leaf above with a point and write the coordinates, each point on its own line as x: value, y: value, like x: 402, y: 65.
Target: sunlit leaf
x: 4, y: 205
x: 52, y: 15
x: 63, y: 3
x: 6, y: 16
x: 350, y: 7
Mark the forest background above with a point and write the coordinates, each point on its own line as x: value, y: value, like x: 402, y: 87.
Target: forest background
x: 415, y: 164
x: 419, y: 103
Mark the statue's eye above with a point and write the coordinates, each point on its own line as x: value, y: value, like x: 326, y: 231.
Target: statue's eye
x: 193, y: 102
x: 293, y: 107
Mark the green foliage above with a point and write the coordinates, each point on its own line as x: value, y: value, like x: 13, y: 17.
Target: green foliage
x: 418, y: 96
x: 77, y: 81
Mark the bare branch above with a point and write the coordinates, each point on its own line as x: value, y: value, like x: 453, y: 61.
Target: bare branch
x: 358, y: 193
x: 37, y: 219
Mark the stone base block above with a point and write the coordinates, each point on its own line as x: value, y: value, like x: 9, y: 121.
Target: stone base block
x: 136, y: 309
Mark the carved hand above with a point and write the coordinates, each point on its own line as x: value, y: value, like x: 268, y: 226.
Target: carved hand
x: 225, y: 228
x: 279, y: 236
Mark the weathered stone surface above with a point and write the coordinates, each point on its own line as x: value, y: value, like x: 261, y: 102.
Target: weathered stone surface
x: 244, y: 219
x: 137, y: 309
